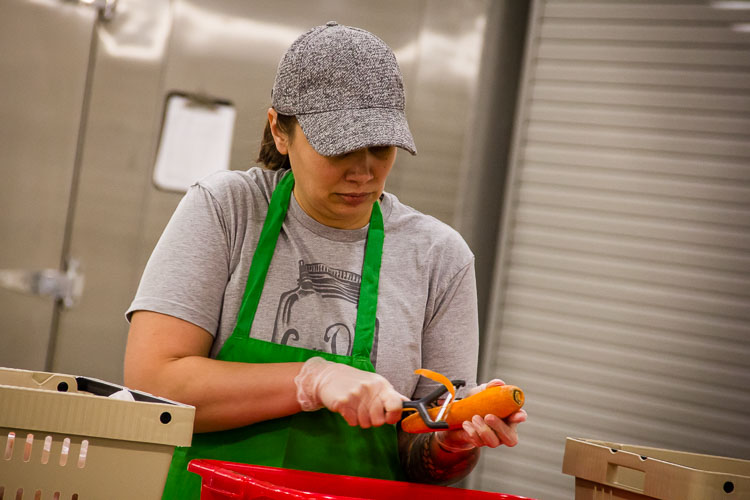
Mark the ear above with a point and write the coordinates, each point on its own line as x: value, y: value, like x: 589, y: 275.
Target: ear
x: 279, y: 137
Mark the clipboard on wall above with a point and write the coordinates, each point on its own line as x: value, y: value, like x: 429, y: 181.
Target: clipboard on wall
x: 195, y: 140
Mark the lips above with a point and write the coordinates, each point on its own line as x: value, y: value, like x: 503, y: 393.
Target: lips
x: 354, y: 198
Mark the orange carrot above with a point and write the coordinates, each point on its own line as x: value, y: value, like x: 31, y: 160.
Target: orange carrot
x: 498, y: 400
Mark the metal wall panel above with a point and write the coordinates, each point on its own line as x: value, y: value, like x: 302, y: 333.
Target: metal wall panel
x: 442, y: 93
x: 621, y: 300
x: 488, y: 141
x: 44, y: 56
x: 109, y: 227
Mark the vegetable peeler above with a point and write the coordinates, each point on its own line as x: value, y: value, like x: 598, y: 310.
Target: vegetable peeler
x: 421, y: 405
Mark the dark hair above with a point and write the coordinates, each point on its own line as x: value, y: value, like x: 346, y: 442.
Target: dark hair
x: 268, y: 155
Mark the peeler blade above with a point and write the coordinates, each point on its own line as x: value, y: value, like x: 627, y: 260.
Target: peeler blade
x: 421, y: 405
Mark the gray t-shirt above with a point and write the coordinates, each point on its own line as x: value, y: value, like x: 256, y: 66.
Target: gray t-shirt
x: 427, y: 304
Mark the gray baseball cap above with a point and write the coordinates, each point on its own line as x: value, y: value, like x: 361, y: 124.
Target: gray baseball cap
x: 345, y: 88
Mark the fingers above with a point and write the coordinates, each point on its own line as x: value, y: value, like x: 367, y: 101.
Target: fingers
x: 505, y: 432
x: 495, y: 382
x: 517, y: 417
x: 352, y: 404
x: 371, y: 403
x: 384, y: 407
x: 349, y: 414
x: 492, y: 431
x: 363, y: 414
x: 366, y: 404
x: 480, y: 433
x: 393, y: 406
x: 379, y: 404
x: 472, y: 435
x: 492, y: 383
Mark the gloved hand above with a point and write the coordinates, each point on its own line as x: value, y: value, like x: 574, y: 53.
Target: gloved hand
x: 363, y: 398
x: 482, y: 430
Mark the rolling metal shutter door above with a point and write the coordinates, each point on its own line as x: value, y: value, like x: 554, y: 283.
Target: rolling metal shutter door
x: 621, y: 302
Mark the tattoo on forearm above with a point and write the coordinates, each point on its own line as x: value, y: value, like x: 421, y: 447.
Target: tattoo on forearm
x: 424, y: 461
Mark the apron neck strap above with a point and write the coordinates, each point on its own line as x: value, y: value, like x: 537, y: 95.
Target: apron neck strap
x: 269, y: 235
x: 367, y: 306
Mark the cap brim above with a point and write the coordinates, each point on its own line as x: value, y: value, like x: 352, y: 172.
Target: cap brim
x: 333, y: 133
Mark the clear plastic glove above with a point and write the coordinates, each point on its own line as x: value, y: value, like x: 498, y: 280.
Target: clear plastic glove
x: 483, y: 430
x: 363, y: 398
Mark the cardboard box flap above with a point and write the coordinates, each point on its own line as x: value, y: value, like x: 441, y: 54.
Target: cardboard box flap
x: 696, y: 461
x: 653, y: 473
x: 40, y: 401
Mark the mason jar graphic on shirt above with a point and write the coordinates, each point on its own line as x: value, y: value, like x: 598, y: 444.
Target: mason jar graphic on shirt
x: 321, y: 312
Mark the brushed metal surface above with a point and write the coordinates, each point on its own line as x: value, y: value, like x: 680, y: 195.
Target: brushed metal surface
x: 442, y: 94
x: 110, y: 234
x: 44, y: 50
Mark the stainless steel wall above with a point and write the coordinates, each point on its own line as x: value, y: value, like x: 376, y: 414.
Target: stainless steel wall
x: 44, y: 59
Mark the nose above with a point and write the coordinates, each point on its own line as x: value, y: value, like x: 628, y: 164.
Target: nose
x: 360, y: 166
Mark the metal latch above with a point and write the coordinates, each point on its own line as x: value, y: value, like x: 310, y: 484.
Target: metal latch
x: 64, y: 286
x: 106, y: 7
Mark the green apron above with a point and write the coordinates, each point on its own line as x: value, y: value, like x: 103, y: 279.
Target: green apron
x: 318, y: 441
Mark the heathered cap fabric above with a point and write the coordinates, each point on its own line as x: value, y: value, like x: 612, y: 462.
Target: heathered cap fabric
x: 345, y: 88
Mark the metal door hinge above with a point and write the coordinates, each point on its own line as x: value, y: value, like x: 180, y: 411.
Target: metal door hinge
x: 106, y: 8
x: 65, y: 286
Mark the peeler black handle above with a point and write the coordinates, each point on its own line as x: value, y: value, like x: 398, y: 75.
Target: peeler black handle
x: 421, y: 405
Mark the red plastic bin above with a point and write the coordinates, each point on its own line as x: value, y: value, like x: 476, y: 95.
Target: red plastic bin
x: 235, y: 481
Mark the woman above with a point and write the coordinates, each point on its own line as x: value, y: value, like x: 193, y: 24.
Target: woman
x: 274, y: 294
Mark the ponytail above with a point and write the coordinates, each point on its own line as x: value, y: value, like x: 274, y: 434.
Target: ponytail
x: 268, y: 155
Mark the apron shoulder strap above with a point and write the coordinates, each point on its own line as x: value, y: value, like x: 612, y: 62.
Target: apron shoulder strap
x: 261, y: 261
x: 367, y: 306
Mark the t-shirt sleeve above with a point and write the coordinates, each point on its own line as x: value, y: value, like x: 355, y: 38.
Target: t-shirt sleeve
x: 188, y: 270
x: 450, y: 340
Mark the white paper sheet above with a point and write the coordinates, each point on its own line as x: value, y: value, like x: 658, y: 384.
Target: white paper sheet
x: 195, y: 141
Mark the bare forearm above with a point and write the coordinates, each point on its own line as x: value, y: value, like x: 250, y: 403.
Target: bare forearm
x: 168, y: 357
x: 424, y: 461
x: 240, y: 394
x: 225, y: 394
